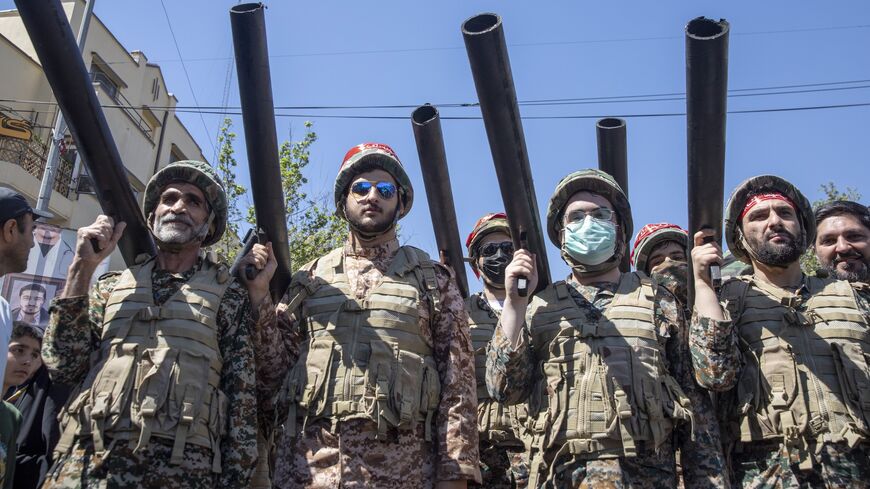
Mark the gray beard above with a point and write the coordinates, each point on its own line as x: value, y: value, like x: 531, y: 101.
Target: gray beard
x: 173, y: 237
x: 861, y: 275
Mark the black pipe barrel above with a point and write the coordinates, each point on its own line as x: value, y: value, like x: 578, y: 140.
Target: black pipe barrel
x: 261, y: 139
x: 490, y: 67
x: 613, y: 160
x: 62, y: 63
x: 439, y: 193
x: 706, y: 97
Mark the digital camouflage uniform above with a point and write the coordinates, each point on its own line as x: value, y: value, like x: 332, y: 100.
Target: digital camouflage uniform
x: 74, y: 334
x: 790, y: 366
x: 503, y: 460
x: 511, y: 373
x: 354, y: 451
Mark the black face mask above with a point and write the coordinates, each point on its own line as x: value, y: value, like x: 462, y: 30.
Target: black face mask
x: 493, y: 268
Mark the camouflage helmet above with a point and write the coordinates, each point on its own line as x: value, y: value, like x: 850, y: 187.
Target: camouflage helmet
x: 488, y: 224
x: 651, y: 236
x: 376, y: 155
x: 590, y: 180
x: 754, y: 186
x: 204, y: 177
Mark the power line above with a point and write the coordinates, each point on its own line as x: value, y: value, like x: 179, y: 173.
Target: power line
x: 833, y: 86
x: 186, y: 74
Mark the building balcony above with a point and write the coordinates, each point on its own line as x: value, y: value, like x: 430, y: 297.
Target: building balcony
x: 31, y: 156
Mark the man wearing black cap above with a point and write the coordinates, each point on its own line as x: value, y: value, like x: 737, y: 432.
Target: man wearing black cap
x: 16, y: 239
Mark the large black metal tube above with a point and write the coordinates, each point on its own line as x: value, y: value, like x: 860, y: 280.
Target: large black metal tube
x: 491, y: 69
x: 261, y: 139
x: 439, y: 193
x: 58, y: 52
x: 706, y: 96
x: 613, y: 159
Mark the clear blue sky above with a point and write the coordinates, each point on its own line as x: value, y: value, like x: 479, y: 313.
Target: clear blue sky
x: 408, y: 53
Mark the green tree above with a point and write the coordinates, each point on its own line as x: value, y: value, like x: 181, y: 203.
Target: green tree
x: 809, y: 262
x: 312, y: 228
x: 228, y: 246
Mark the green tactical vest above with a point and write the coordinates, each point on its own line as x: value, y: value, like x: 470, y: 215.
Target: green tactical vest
x: 496, y: 422
x: 605, y: 386
x: 805, y: 378
x: 365, y: 358
x: 158, y: 370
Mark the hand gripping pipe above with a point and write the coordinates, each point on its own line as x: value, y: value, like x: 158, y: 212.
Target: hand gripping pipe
x: 261, y: 139
x: 62, y: 63
x: 490, y: 67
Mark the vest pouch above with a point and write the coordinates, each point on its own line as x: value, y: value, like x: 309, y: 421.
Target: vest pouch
x: 626, y: 391
x: 218, y: 412
x: 851, y: 363
x: 430, y: 394
x: 187, y: 403
x: 152, y: 390
x: 110, y: 393
x: 311, y: 377
x: 73, y: 420
x: 780, y: 389
x: 407, y: 388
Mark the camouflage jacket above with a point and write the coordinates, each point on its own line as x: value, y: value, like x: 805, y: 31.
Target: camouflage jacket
x: 456, y: 420
x: 510, y: 374
x: 76, y: 326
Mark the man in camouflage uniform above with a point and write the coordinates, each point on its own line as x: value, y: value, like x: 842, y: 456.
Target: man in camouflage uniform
x: 660, y: 251
x: 502, y: 455
x: 599, y: 357
x: 843, y: 240
x: 161, y: 352
x: 787, y: 352
x: 381, y: 392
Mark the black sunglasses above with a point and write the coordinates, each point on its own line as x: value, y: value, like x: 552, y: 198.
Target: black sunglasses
x: 491, y: 249
x: 385, y: 189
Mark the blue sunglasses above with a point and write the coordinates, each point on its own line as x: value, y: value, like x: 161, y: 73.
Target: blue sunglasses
x: 385, y: 189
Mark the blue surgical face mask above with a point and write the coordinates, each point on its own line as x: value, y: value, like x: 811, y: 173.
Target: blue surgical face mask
x: 590, y: 241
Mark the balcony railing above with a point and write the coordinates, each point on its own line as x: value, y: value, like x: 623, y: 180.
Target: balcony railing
x: 31, y: 156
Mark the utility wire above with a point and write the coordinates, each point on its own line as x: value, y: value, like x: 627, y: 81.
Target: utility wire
x: 660, y: 97
x: 186, y: 74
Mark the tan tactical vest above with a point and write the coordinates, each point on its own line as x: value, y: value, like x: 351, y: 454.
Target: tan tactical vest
x: 496, y: 422
x: 365, y: 358
x: 805, y: 378
x: 605, y: 386
x: 158, y: 370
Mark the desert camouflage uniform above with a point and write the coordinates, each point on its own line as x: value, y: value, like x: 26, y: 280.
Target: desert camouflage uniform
x: 717, y: 361
x: 511, y: 374
x: 503, y: 459
x: 328, y: 453
x: 74, y: 333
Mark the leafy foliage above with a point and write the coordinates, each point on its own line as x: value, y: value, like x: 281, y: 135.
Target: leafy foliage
x: 809, y: 262
x: 228, y: 246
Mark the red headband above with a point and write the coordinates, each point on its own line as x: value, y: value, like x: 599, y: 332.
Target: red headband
x: 650, y: 229
x: 759, y: 198
x: 368, y: 146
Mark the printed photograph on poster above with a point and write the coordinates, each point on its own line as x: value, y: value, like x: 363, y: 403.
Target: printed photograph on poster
x: 29, y: 296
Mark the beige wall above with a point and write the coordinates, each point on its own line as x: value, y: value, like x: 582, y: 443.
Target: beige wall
x: 136, y: 131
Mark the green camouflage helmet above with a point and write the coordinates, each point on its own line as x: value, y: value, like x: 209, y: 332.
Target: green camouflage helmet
x: 590, y: 180
x: 204, y: 177
x: 379, y: 156
x: 762, y: 184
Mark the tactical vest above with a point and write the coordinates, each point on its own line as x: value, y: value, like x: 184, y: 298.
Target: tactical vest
x: 158, y: 370
x: 364, y: 358
x: 605, y: 386
x: 805, y: 378
x: 496, y: 422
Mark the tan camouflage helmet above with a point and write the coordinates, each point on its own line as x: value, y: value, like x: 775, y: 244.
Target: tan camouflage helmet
x: 651, y: 236
x: 488, y: 224
x: 204, y: 177
x: 590, y: 180
x: 366, y: 156
x: 759, y: 185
